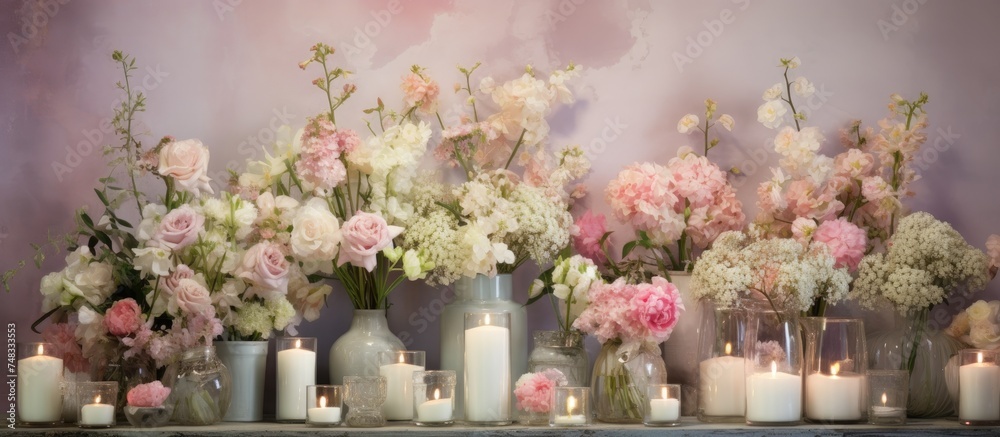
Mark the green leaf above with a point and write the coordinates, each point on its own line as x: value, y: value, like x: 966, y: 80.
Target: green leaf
x: 100, y: 195
x: 103, y: 238
x: 628, y: 247
x: 86, y: 220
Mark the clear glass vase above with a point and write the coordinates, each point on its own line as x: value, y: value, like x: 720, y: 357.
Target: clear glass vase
x: 356, y: 352
x: 127, y: 372
x: 563, y: 351
x: 721, y: 366
x: 620, y: 379
x: 482, y: 294
x: 773, y: 352
x: 201, y: 387
x: 835, y: 367
x: 923, y: 350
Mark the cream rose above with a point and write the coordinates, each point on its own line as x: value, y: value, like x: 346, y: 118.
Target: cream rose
x: 179, y: 228
x: 315, y: 232
x: 186, y: 162
x: 979, y: 312
x: 265, y: 267
x: 192, y: 298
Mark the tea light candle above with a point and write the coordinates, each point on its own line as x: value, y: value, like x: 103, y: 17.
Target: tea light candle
x: 572, y: 416
x: 774, y: 396
x: 296, y: 370
x: 979, y: 391
x: 723, y: 385
x: 39, y: 396
x: 834, y: 397
x: 435, y: 410
x: 570, y: 407
x: 399, y: 384
x: 97, y: 414
x: 665, y: 409
x: 885, y: 411
x: 323, y: 413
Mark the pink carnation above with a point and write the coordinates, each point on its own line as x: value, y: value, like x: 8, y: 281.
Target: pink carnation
x: 420, y: 92
x: 123, y: 318
x: 148, y: 395
x: 534, y: 391
x: 65, y: 346
x: 846, y: 241
x: 587, y: 233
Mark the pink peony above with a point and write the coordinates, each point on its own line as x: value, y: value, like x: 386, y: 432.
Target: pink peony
x: 264, y: 265
x: 535, y: 391
x: 123, y: 318
x: 186, y: 162
x: 587, y: 233
x: 656, y: 306
x: 179, y: 228
x: 149, y: 395
x: 420, y: 92
x: 65, y: 346
x: 846, y: 241
x: 364, y: 236
x: 631, y: 312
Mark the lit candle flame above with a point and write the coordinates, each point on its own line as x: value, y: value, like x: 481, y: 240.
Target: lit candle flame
x: 97, y: 399
x: 486, y: 320
x: 298, y: 344
x: 979, y: 357
x: 401, y: 360
x: 774, y: 368
x: 322, y: 401
x: 729, y: 348
x: 437, y: 394
x: 884, y: 399
x: 663, y: 393
x: 835, y: 369
x: 41, y: 350
x: 570, y: 405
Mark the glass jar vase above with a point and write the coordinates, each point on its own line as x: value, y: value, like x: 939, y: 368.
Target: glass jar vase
x: 773, y: 352
x: 563, y: 351
x: 621, y: 377
x: 201, y: 387
x: 722, y: 367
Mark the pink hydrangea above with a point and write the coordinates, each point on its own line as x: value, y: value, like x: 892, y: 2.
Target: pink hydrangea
x: 149, y: 395
x: 846, y: 241
x: 123, y: 318
x: 65, y: 346
x: 322, y: 145
x: 993, y: 249
x: 587, y: 233
x: 641, y: 196
x: 631, y: 312
x: 420, y: 92
x: 695, y: 180
x: 534, y: 391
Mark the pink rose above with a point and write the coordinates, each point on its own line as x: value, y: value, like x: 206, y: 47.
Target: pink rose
x: 190, y: 297
x: 846, y: 241
x: 657, y: 307
x: 123, y: 318
x: 264, y: 265
x: 587, y: 234
x: 179, y: 228
x: 364, y: 236
x: 170, y: 283
x: 148, y: 395
x: 187, y: 163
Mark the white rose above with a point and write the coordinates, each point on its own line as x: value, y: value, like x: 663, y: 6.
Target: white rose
x: 187, y: 163
x: 770, y: 114
x: 985, y: 335
x: 687, y: 123
x: 190, y: 297
x: 979, y: 311
x: 315, y: 232
x: 561, y: 291
x: 94, y: 283
x: 803, y: 87
x: 727, y: 122
x: 774, y: 92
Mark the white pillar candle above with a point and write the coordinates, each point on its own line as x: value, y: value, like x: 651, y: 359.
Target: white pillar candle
x: 834, y: 397
x: 435, y: 410
x: 774, y: 396
x: 399, y: 385
x: 97, y: 414
x: 979, y: 391
x: 723, y: 386
x: 323, y: 414
x: 39, y: 395
x: 296, y: 370
x: 664, y: 410
x: 487, y: 373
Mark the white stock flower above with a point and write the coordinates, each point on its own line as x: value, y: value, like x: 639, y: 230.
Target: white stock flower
x: 770, y: 113
x: 413, y: 267
x: 794, y: 62
x: 727, y: 122
x: 687, y: 123
x: 774, y: 92
x: 803, y: 87
x: 153, y: 260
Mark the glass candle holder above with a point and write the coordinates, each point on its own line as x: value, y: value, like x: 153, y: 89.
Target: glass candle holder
x: 836, y: 361
x: 434, y: 397
x: 398, y: 368
x: 888, y: 391
x: 296, y: 370
x: 39, y: 385
x: 664, y: 406
x: 570, y: 407
x: 323, y: 405
x: 364, y: 396
x: 487, y: 369
x: 979, y: 387
x: 722, y: 369
x: 774, y: 369
x: 97, y: 404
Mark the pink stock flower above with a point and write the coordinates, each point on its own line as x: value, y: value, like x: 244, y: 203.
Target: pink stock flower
x: 534, y: 391
x: 264, y: 265
x: 587, y: 233
x: 803, y: 229
x: 365, y: 235
x: 993, y: 250
x: 420, y: 92
x: 65, y: 346
x: 322, y: 146
x: 854, y: 163
x: 149, y: 395
x: 123, y: 318
x: 179, y: 228
x: 846, y: 241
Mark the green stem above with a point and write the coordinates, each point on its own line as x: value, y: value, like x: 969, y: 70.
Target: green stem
x: 788, y: 90
x: 517, y: 146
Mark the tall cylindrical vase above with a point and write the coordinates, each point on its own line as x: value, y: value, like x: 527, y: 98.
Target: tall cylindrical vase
x: 682, y: 365
x: 247, y: 364
x: 482, y: 294
x: 356, y: 352
x: 773, y: 352
x: 721, y: 366
x: 835, y: 367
